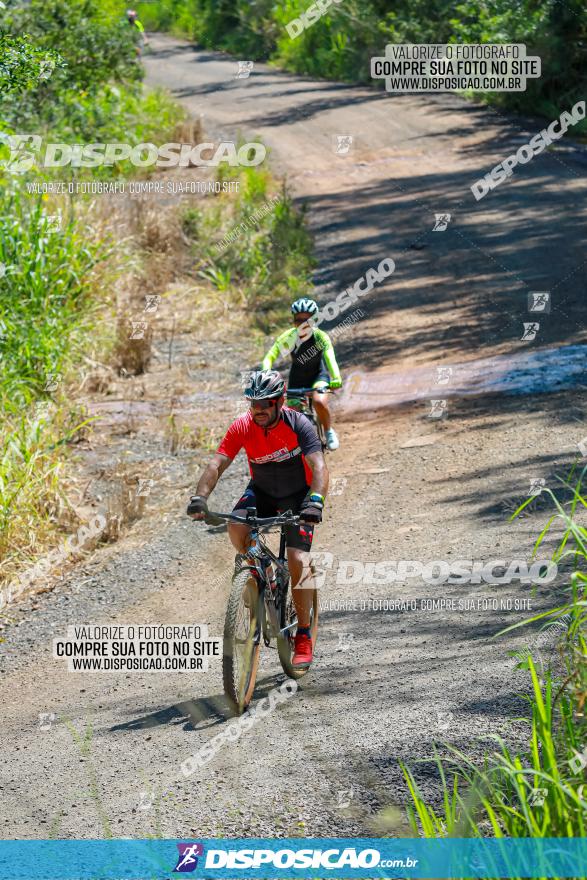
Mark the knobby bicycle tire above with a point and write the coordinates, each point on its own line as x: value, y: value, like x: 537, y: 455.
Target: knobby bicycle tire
x: 239, y: 676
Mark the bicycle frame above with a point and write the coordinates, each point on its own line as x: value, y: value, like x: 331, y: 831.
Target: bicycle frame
x: 267, y: 610
x: 259, y: 555
x: 258, y: 550
x: 304, y: 396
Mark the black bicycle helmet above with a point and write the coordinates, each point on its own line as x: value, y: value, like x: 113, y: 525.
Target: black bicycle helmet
x: 264, y: 385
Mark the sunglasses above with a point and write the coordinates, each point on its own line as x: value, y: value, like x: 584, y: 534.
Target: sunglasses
x: 264, y: 404
x: 298, y: 320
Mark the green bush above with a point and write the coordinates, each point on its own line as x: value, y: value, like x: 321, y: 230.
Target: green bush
x: 556, y: 32
x: 23, y: 64
x: 91, y: 91
x: 96, y: 48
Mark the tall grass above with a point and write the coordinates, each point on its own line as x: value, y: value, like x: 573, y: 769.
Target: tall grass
x: 47, y: 295
x: 532, y: 794
x: 45, y: 291
x: 53, y: 264
x: 32, y: 501
x: 254, y: 246
x: 537, y: 792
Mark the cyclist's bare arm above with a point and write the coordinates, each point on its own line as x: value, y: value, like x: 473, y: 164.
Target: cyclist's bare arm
x: 210, y: 476
x: 212, y: 473
x: 319, y: 470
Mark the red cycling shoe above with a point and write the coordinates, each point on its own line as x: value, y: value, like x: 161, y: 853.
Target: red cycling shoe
x: 303, y: 655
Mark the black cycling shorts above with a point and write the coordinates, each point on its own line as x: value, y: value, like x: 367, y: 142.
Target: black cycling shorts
x: 300, y: 377
x: 299, y: 536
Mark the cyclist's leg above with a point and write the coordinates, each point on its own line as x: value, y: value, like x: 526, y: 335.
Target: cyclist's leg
x: 320, y: 399
x: 302, y: 581
x: 299, y: 544
x: 239, y: 535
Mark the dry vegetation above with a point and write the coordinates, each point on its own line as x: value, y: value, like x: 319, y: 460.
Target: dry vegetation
x: 151, y: 340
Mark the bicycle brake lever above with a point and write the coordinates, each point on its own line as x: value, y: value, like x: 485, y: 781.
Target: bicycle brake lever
x: 211, y: 520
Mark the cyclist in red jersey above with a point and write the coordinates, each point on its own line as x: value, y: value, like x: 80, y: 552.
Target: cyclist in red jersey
x: 288, y: 472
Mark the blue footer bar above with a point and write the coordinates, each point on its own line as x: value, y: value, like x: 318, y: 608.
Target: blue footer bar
x: 311, y: 858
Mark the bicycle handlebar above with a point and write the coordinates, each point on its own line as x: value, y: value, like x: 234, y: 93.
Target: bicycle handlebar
x: 283, y: 519
x: 291, y: 392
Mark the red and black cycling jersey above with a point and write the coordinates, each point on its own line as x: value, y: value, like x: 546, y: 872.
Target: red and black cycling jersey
x: 276, y: 455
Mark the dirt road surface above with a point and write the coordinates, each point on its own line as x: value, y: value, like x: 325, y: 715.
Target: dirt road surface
x: 387, y: 685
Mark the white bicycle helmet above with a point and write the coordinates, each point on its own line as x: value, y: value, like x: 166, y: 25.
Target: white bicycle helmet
x: 304, y: 305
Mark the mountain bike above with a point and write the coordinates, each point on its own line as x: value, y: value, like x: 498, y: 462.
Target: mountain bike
x: 260, y: 606
x: 301, y: 399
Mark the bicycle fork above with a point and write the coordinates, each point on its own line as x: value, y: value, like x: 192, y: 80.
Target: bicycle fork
x: 269, y: 622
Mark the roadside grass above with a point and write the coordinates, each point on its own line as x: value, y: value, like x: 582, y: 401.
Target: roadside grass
x: 47, y: 295
x: 59, y: 259
x: 33, y: 503
x: 74, y: 286
x: 115, y: 115
x: 50, y: 290
x: 537, y: 792
x: 253, y: 247
x: 70, y: 278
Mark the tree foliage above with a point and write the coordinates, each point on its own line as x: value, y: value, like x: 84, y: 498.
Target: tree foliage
x: 58, y: 59
x: 22, y: 64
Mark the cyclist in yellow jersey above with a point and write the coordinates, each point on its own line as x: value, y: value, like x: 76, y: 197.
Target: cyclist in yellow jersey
x: 135, y: 23
x: 313, y: 361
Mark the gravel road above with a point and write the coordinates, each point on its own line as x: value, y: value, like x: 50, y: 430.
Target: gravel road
x: 389, y: 682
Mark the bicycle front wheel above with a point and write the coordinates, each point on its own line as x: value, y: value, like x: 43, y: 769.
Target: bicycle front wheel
x: 242, y: 639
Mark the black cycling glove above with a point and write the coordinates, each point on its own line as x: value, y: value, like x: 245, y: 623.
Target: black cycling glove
x: 197, y: 504
x: 311, y: 510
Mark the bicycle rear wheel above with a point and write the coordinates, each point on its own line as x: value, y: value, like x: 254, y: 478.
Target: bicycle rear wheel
x: 242, y: 639
x: 288, y: 620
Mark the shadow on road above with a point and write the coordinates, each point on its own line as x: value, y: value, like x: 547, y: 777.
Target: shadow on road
x: 199, y: 714
x: 467, y: 287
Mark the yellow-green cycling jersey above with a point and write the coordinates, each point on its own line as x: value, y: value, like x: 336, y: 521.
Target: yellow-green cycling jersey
x: 313, y: 359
